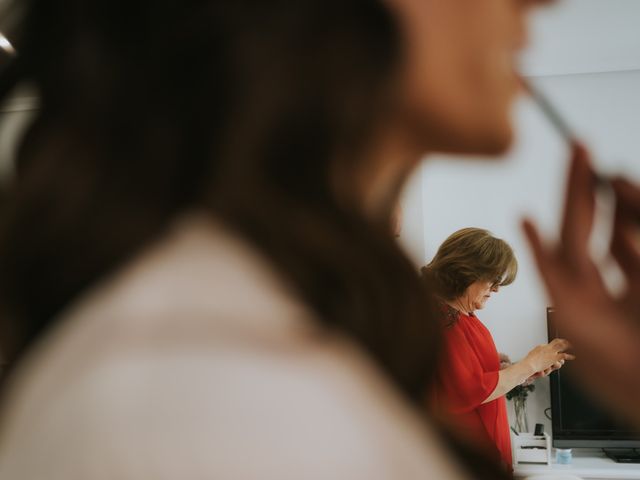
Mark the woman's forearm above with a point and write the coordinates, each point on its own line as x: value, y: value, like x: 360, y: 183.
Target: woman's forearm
x: 511, y: 377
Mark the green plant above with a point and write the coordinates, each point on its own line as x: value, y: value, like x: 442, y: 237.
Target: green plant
x: 521, y: 391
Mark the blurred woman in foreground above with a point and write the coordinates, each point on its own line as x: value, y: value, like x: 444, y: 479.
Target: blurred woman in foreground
x: 197, y: 276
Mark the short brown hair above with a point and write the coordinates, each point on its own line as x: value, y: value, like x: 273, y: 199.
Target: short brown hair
x: 469, y: 255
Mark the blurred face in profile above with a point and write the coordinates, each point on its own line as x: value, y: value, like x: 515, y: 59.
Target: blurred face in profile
x: 458, y: 78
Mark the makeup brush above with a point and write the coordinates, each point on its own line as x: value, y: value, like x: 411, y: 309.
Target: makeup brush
x: 559, y: 124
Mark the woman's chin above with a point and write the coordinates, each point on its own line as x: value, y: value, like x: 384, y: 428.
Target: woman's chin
x: 494, y: 139
x: 489, y: 139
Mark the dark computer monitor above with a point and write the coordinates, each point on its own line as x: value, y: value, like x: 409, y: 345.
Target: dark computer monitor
x: 578, y: 419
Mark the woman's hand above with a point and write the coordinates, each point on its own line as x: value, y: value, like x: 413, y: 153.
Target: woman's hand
x: 539, y: 362
x: 544, y: 373
x: 604, y: 330
x: 549, y: 357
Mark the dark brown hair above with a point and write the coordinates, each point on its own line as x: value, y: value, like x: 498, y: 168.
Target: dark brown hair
x: 469, y: 255
x: 238, y: 107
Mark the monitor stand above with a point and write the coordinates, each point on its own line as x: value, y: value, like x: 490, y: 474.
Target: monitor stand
x: 623, y: 455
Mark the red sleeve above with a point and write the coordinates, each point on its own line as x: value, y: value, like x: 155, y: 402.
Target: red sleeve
x: 462, y: 382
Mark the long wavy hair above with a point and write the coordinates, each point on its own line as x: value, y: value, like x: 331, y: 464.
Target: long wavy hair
x: 242, y: 108
x: 239, y: 107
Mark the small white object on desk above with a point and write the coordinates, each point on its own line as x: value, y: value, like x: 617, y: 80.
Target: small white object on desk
x: 529, y: 448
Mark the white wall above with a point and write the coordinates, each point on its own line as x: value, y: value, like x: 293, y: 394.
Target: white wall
x: 584, y: 36
x: 570, y: 42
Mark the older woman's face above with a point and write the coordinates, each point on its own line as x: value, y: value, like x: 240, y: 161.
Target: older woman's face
x: 459, y: 77
x: 479, y: 292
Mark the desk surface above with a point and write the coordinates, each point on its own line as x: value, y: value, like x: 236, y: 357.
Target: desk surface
x: 587, y: 464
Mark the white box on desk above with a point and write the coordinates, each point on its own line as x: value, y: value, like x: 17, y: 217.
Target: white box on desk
x: 530, y: 448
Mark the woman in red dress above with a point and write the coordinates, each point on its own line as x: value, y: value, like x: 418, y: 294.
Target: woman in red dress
x: 470, y: 388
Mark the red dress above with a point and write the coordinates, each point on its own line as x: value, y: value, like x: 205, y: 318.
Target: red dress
x: 467, y: 375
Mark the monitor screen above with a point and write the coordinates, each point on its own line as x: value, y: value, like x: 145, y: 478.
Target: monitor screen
x: 578, y: 419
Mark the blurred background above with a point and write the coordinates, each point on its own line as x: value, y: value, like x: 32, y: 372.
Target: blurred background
x: 584, y: 57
